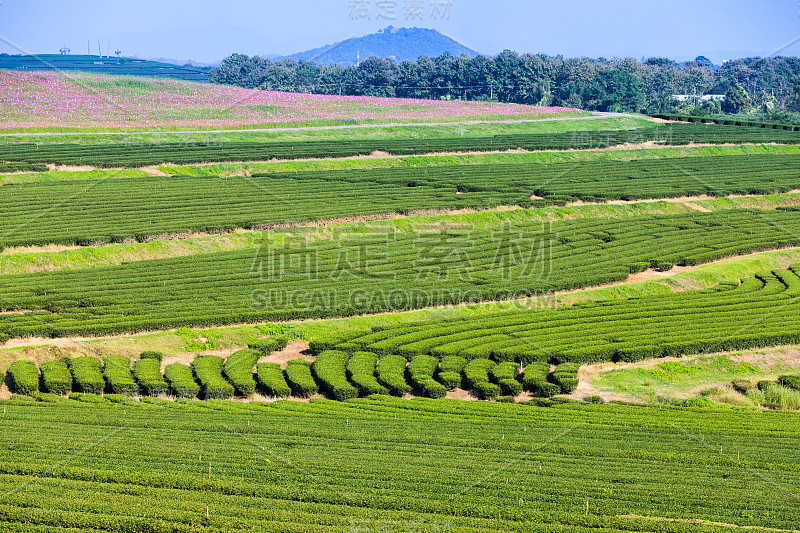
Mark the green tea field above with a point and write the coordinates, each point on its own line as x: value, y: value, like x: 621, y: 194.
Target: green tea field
x: 376, y: 314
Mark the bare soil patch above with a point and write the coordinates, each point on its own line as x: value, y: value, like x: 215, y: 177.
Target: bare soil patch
x: 48, y: 248
x: 461, y: 394
x: 663, y: 121
x: 787, y: 355
x: 698, y: 521
x: 71, y: 168
x: 296, y: 349
x: 656, y: 274
x: 768, y: 358
x: 674, y: 200
x: 154, y: 171
x: 698, y: 207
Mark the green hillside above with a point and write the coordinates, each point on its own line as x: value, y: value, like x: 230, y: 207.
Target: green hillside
x: 103, y: 65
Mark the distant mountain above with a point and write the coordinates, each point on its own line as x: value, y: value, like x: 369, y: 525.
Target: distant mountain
x: 399, y: 44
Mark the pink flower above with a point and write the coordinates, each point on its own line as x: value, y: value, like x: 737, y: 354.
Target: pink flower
x: 49, y: 100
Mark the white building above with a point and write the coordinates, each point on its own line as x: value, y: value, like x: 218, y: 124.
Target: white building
x: 705, y: 97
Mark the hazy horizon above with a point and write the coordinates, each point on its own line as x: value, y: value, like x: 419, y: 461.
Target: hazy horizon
x: 207, y: 32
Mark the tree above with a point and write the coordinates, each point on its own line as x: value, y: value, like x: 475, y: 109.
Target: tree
x: 232, y: 71
x: 768, y: 84
x: 660, y: 62
x: 618, y: 91
x: 793, y: 95
x: 481, y: 75
x: 703, y: 60
x: 736, y: 100
x: 508, y: 65
x: 376, y: 77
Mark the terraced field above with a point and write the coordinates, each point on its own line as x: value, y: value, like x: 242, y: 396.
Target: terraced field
x: 114, y: 209
x: 376, y: 272
x: 133, y: 154
x: 761, y: 311
x: 138, y: 434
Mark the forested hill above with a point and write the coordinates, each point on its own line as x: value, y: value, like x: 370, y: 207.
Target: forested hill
x: 399, y: 43
x: 769, y: 86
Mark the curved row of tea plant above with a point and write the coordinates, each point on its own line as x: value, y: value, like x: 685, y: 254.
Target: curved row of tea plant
x: 147, y: 372
x: 380, y: 463
x: 271, y: 380
x: 330, y: 371
x: 24, y: 377
x: 299, y: 378
x: 238, y: 369
x: 56, y: 377
x: 181, y: 380
x: 87, y: 373
x: 119, y: 379
x: 761, y: 311
x: 84, y: 212
x: 208, y: 372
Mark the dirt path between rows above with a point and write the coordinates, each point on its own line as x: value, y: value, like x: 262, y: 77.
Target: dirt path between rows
x: 673, y: 200
x: 699, y: 521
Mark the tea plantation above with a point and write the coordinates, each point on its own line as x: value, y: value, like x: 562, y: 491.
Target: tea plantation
x: 114, y: 209
x: 373, y: 464
x: 374, y: 425
x: 376, y: 272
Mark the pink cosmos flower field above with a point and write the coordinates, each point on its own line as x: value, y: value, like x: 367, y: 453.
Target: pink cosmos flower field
x: 50, y: 101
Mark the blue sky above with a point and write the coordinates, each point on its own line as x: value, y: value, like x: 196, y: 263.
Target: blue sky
x: 209, y: 30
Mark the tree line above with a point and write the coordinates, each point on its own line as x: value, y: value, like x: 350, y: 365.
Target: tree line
x: 769, y: 85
